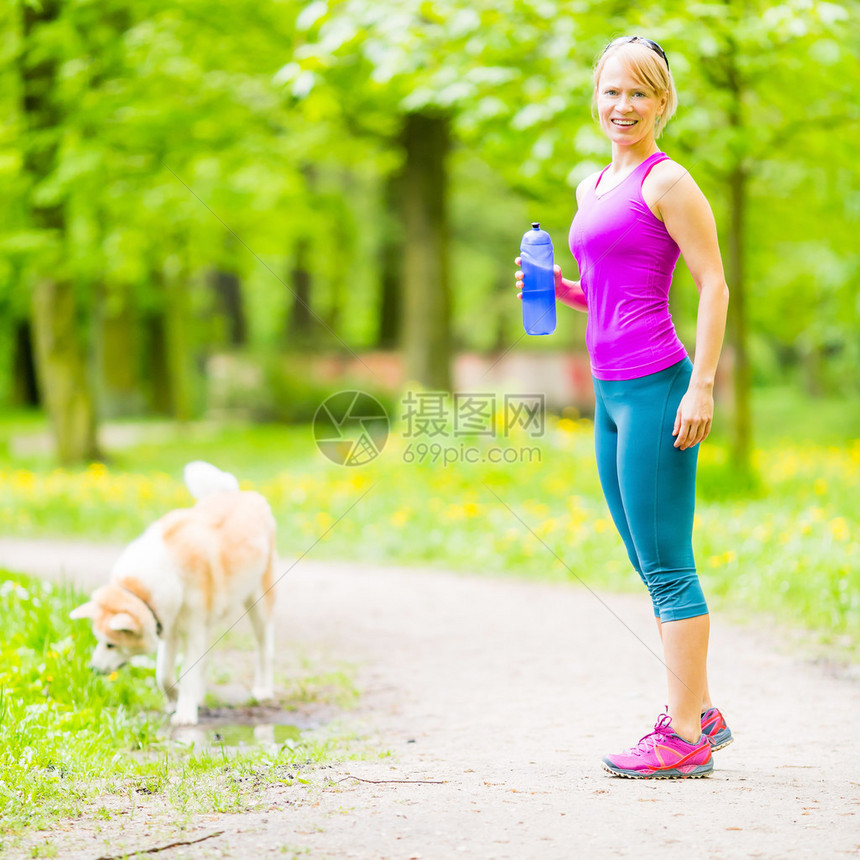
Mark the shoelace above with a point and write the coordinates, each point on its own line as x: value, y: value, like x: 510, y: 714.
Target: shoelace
x: 661, y: 729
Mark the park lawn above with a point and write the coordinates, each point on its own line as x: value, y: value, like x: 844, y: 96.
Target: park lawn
x: 788, y: 546
x: 69, y: 737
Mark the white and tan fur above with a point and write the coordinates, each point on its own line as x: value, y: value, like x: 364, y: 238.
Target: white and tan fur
x: 171, y: 586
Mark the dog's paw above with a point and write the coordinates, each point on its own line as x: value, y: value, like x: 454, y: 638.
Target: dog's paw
x: 184, y: 717
x: 262, y: 694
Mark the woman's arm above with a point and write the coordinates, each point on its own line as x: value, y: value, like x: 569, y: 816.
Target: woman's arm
x: 569, y: 292
x: 690, y: 222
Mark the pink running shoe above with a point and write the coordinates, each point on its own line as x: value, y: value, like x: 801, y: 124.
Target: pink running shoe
x: 714, y: 726
x: 662, y: 754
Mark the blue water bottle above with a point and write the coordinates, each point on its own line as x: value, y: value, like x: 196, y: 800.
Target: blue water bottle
x: 536, y: 261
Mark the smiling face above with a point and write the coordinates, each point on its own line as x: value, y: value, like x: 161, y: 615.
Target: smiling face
x: 626, y: 107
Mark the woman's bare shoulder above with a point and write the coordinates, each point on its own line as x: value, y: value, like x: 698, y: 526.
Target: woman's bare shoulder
x: 667, y: 173
x: 671, y: 192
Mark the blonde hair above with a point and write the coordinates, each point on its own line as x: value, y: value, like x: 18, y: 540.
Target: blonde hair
x: 649, y: 69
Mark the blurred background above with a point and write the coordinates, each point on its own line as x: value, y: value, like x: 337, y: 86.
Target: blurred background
x: 215, y: 214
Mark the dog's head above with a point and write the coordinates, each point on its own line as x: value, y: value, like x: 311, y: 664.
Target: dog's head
x: 123, y: 625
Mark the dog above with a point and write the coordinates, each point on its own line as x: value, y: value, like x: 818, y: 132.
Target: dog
x: 181, y: 576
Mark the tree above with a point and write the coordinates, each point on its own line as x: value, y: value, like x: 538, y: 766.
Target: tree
x: 445, y: 71
x: 59, y: 307
x: 749, y: 64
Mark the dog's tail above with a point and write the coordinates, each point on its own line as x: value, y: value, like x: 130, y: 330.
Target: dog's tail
x: 203, y: 478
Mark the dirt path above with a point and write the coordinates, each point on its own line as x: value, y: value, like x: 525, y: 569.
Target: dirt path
x: 509, y: 693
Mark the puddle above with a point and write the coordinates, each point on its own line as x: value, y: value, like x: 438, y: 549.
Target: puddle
x: 245, y: 728
x: 237, y: 735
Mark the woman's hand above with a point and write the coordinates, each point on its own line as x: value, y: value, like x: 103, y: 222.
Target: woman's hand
x: 562, y: 286
x: 519, y: 277
x: 694, y: 417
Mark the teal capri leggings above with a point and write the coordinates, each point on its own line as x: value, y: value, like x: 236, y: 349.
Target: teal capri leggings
x: 650, y: 485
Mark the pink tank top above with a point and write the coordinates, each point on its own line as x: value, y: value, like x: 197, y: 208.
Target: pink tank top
x: 626, y: 258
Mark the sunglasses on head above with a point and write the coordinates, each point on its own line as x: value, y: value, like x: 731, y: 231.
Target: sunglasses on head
x: 649, y: 43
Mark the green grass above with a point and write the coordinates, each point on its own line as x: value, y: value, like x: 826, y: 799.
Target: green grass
x: 780, y: 414
x: 69, y: 736
x: 787, y: 546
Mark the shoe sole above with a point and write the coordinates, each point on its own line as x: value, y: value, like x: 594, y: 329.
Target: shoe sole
x: 719, y: 743
x: 698, y: 773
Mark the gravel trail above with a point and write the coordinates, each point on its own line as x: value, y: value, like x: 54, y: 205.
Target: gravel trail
x: 500, y: 697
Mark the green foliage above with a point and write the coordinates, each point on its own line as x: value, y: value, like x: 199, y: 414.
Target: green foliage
x: 519, y: 87
x: 287, y: 389
x: 183, y: 127
x: 294, y: 397
x: 219, y: 136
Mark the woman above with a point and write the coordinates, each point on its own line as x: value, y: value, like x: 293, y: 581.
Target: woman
x: 653, y: 405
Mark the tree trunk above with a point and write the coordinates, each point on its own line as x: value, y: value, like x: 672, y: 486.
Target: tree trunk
x: 118, y: 352
x: 502, y: 302
x: 742, y: 429
x: 168, y: 352
x: 343, y: 243
x: 180, y: 366
x: 301, y: 321
x: 59, y: 329
x: 155, y: 366
x: 25, y: 390
x: 390, y: 265
x: 427, y: 299
x: 228, y: 289
x: 300, y: 324
x: 63, y: 372
x: 737, y: 318
x: 812, y: 362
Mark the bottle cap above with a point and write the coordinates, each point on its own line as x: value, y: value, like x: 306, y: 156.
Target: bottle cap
x: 535, y: 225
